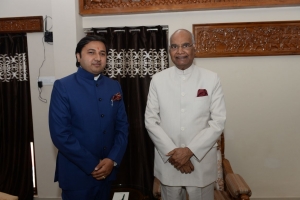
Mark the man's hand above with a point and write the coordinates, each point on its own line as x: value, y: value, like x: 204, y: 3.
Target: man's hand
x: 179, y: 156
x: 103, y: 169
x: 187, y: 168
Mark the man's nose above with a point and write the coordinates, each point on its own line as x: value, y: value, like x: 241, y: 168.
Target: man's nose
x: 180, y: 49
x: 97, y: 57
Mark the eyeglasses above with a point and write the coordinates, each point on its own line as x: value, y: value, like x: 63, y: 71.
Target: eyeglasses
x: 185, y: 46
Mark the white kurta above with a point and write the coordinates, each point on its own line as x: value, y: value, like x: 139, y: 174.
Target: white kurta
x: 176, y: 117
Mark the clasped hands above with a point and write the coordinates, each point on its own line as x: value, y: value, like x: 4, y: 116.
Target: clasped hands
x: 180, y: 159
x: 103, y: 169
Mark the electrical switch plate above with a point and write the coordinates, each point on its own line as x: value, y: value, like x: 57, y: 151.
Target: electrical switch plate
x: 47, y: 80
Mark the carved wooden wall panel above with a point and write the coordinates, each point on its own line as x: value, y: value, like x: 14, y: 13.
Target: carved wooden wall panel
x: 21, y: 24
x: 106, y: 7
x: 247, y: 39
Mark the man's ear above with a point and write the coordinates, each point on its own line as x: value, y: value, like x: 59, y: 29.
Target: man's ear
x: 78, y: 57
x: 195, y: 50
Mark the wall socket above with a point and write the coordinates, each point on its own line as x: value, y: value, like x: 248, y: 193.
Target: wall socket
x: 48, y: 36
x: 47, y: 80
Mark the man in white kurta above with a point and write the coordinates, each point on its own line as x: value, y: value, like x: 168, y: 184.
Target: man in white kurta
x: 185, y: 116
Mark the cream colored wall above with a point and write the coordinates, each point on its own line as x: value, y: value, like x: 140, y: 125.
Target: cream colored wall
x: 261, y: 92
x: 45, y: 153
x: 67, y: 32
x: 58, y: 55
x: 262, y: 97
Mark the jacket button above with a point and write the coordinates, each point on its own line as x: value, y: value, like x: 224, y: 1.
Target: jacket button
x: 104, y: 132
x: 100, y: 99
x: 104, y: 148
x: 97, y: 85
x: 102, y: 115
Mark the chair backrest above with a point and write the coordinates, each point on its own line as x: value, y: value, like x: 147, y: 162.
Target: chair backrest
x: 222, y: 146
x: 219, y: 184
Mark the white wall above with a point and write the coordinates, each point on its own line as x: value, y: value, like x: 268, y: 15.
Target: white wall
x: 45, y: 153
x: 261, y: 93
x: 67, y: 32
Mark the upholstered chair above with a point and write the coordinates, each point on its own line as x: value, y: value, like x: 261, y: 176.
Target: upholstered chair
x: 4, y: 196
x: 228, y: 186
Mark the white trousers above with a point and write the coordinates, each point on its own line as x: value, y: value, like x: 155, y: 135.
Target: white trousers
x: 179, y: 193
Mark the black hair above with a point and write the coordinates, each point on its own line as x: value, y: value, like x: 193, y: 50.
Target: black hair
x: 84, y: 41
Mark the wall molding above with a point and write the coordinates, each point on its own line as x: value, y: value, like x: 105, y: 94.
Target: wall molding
x: 285, y: 198
x: 109, y: 7
x: 21, y: 24
x: 247, y: 39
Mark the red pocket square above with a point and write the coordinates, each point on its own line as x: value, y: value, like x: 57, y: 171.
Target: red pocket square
x: 201, y: 93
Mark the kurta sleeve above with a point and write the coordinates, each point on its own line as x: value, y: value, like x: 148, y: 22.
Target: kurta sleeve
x: 161, y: 140
x: 207, y: 137
x: 61, y: 131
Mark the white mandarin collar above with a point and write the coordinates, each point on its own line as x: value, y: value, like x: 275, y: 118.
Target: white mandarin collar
x: 96, y: 77
x: 186, y: 71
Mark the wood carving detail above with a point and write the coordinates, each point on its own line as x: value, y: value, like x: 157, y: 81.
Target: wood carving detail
x: 98, y: 4
x: 247, y: 39
x: 21, y: 24
x: 101, y: 7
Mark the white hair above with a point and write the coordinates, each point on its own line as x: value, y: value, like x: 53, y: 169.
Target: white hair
x: 191, y: 34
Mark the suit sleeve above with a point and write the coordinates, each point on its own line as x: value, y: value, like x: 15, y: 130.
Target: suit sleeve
x: 206, y: 138
x: 121, y: 128
x: 61, y: 132
x: 161, y: 140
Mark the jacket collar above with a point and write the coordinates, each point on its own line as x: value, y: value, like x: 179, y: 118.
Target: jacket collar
x: 85, y: 74
x: 186, y: 71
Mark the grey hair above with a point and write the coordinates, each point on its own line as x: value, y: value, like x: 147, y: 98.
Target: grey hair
x: 191, y: 34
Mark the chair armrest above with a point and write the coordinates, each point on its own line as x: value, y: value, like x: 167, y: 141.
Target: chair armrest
x: 227, y: 167
x: 156, y: 188
x: 5, y: 196
x: 237, y: 187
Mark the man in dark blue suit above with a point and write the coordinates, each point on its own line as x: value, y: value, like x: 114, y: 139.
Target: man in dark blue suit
x: 88, y: 125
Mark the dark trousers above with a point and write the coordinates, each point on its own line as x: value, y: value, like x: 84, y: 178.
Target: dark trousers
x: 101, y: 192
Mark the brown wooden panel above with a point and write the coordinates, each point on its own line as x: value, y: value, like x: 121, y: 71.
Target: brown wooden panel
x: 247, y: 39
x: 21, y: 24
x: 108, y: 7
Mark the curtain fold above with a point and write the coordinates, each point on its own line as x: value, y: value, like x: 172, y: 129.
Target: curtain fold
x: 134, y: 56
x: 16, y: 129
